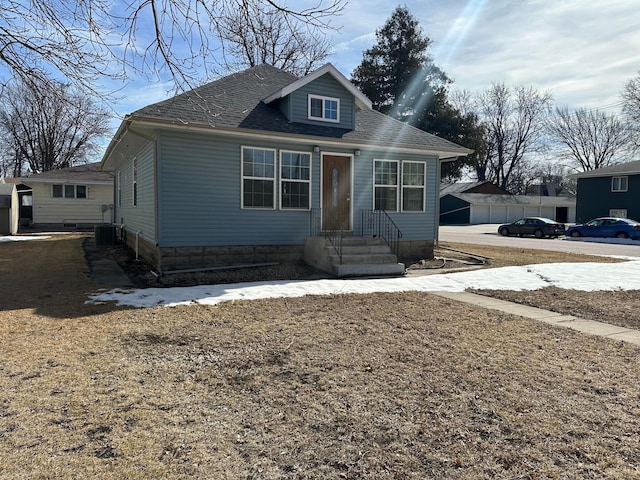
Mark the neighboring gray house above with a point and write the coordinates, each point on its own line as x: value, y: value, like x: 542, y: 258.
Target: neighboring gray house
x: 254, y: 166
x: 9, y: 209
x: 609, y: 192
x: 76, y: 197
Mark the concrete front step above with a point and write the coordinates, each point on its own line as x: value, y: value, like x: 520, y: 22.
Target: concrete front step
x: 368, y: 249
x: 360, y: 257
x: 369, y: 270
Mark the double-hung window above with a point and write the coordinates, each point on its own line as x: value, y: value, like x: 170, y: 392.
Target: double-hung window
x: 295, y: 180
x: 326, y: 109
x: 619, y: 184
x: 258, y: 178
x: 385, y: 185
x: 413, y: 186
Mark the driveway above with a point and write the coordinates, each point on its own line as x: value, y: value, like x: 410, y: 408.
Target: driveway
x: 487, y: 234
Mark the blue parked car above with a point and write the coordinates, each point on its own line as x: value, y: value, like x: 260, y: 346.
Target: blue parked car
x: 606, y: 227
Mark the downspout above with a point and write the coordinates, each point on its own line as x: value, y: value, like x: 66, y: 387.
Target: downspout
x: 137, y: 242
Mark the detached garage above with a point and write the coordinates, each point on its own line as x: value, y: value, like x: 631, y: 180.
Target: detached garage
x: 476, y: 208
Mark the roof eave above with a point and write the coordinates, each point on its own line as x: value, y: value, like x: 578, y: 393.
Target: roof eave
x: 443, y: 153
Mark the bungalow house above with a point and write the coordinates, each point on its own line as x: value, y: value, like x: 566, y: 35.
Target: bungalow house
x: 263, y: 166
x: 609, y: 192
x: 9, y: 209
x: 75, y: 197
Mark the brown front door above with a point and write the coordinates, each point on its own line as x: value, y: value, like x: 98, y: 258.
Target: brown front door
x: 336, y: 192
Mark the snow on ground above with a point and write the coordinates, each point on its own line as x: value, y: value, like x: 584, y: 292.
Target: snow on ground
x: 577, y: 276
x: 22, y: 238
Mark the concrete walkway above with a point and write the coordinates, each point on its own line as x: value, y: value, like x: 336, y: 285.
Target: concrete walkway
x: 106, y: 271
x: 590, y: 327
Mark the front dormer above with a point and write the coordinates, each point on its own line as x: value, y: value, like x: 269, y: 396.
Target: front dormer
x: 323, y: 98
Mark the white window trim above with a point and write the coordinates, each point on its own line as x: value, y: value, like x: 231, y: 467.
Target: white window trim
x: 626, y: 183
x: 243, y: 177
x: 396, y: 186
x: 294, y: 180
x: 323, y: 118
x: 423, y: 187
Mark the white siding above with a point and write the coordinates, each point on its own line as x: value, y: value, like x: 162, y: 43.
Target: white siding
x: 49, y: 210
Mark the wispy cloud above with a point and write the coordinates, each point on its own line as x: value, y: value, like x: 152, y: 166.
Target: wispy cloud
x: 582, y: 51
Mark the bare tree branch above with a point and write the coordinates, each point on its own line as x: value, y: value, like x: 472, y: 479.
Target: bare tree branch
x: 252, y: 34
x: 85, y: 41
x: 513, y: 121
x: 49, y: 127
x: 589, y: 139
x: 631, y: 109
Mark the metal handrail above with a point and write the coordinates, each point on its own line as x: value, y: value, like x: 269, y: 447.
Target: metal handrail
x: 323, y: 224
x: 378, y: 223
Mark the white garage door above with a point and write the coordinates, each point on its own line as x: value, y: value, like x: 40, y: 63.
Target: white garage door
x: 498, y: 214
x: 480, y: 214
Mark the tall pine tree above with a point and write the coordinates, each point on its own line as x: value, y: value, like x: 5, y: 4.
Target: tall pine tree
x: 400, y: 78
x: 397, y: 73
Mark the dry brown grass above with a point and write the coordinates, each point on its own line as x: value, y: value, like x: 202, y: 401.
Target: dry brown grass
x: 617, y: 307
x: 385, y: 386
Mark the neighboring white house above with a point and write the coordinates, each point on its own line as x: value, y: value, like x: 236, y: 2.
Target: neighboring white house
x: 9, y: 209
x: 80, y: 196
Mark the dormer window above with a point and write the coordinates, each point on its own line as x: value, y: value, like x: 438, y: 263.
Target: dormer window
x: 326, y: 109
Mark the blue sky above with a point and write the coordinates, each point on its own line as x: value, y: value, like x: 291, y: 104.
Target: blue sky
x: 580, y: 50
x: 583, y: 51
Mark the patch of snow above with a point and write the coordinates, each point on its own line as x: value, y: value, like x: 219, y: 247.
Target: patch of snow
x: 576, y: 276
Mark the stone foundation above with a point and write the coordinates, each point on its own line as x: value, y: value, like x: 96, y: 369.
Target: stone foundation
x: 167, y: 259
x: 411, y: 250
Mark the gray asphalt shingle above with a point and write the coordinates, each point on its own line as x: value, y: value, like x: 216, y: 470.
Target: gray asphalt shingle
x: 236, y: 101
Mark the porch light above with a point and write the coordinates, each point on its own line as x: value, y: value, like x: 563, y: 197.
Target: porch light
x: 356, y: 152
x: 316, y: 149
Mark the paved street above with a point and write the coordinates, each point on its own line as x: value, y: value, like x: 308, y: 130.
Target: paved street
x: 487, y: 234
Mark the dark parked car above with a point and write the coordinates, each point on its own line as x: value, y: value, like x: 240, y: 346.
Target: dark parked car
x: 537, y: 226
x: 606, y: 227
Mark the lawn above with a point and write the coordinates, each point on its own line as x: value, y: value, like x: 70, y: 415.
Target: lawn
x: 384, y: 386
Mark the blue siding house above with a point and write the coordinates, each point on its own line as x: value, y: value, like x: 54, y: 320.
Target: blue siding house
x: 248, y: 168
x: 609, y: 192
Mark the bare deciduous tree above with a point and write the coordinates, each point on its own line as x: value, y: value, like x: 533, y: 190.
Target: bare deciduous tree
x: 86, y: 40
x: 253, y: 33
x: 631, y: 108
x: 49, y: 126
x: 588, y: 139
x: 513, y: 121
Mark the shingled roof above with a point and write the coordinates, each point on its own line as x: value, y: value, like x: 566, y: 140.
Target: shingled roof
x: 628, y: 168
x: 88, y: 173
x: 236, y: 101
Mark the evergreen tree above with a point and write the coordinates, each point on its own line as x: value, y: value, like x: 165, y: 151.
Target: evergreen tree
x: 401, y: 79
x: 397, y: 74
